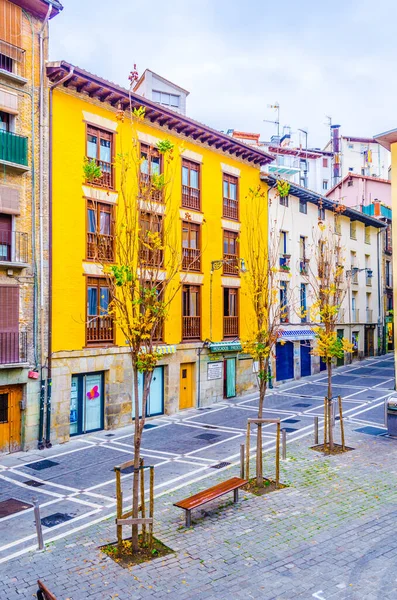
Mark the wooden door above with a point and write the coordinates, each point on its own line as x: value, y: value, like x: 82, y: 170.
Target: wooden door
x: 369, y: 342
x: 10, y: 418
x: 186, y: 386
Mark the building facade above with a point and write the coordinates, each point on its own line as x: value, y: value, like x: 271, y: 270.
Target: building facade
x: 372, y: 196
x: 295, y: 220
x: 23, y: 210
x: 360, y: 155
x: 201, y: 359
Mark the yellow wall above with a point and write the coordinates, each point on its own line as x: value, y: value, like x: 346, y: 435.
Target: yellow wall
x: 394, y: 231
x: 69, y: 221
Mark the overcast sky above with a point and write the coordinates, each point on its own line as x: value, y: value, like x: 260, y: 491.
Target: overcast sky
x: 315, y: 57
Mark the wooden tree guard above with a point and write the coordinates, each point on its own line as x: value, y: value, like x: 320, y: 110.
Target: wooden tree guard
x: 247, y: 456
x: 126, y: 518
x: 328, y: 419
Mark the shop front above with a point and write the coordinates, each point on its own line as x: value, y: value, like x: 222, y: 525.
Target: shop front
x: 87, y: 403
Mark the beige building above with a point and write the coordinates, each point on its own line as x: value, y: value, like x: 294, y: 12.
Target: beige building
x: 23, y: 217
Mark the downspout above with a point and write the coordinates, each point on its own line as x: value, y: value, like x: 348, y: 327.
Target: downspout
x: 41, y: 224
x: 49, y: 329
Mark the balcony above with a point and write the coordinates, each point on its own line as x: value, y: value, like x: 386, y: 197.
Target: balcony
x: 191, y: 259
x: 232, y: 266
x: 340, y: 316
x: 151, y: 258
x: 100, y: 247
x: 354, y: 275
x: 368, y: 280
x: 230, y: 327
x: 100, y: 330
x: 190, y: 198
x: 304, y: 266
x: 107, y: 178
x: 230, y: 209
x: 14, y: 246
x: 148, y: 191
x: 191, y: 328
x: 13, y: 347
x: 284, y: 261
x: 284, y: 314
x: 14, y: 150
x: 355, y: 315
x: 369, y: 315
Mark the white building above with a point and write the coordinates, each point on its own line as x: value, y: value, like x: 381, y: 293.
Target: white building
x: 160, y: 90
x: 360, y: 315
x: 360, y: 155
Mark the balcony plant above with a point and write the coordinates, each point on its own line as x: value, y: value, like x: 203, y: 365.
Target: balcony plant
x: 91, y: 170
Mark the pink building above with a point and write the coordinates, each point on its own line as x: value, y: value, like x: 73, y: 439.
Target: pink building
x: 357, y: 191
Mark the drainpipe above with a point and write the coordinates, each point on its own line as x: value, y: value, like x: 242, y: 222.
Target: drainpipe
x: 49, y: 339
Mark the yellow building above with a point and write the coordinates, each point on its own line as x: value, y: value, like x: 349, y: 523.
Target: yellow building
x: 23, y: 210
x: 202, y: 360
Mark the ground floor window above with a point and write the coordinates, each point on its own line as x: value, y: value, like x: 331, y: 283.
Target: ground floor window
x: 87, y: 403
x: 155, y: 403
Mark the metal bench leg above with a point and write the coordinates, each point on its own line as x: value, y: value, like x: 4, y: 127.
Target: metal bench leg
x: 188, y: 518
x: 235, y: 495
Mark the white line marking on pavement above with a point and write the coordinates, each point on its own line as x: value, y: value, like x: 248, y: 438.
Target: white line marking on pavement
x: 317, y: 595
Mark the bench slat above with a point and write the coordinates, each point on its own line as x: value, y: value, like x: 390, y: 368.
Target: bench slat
x: 211, y: 494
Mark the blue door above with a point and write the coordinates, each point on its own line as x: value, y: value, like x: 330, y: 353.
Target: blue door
x: 306, y: 359
x: 284, y: 361
x: 155, y: 403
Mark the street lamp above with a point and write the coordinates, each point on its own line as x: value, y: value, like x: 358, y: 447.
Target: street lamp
x: 218, y: 264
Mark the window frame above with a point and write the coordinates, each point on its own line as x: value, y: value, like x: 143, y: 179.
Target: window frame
x: 303, y: 206
x: 95, y: 281
x: 145, y: 216
x: 188, y: 287
x: 96, y: 206
x: 234, y: 292
x: 230, y: 180
x: 231, y: 269
x: 90, y: 129
x: 145, y: 179
x: 191, y: 166
x: 192, y: 227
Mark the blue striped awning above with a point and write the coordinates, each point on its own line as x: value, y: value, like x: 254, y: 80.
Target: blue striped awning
x: 296, y: 334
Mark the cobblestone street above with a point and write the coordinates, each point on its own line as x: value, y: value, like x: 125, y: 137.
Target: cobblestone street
x: 330, y: 534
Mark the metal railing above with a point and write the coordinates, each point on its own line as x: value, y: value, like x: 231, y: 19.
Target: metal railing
x: 100, y: 330
x: 355, y: 315
x: 230, y: 326
x: 151, y: 258
x: 284, y: 261
x: 191, y: 328
x: 341, y: 316
x: 148, y: 191
x: 231, y: 267
x: 190, y: 197
x: 100, y: 247
x: 304, y: 266
x: 10, y: 57
x: 230, y: 209
x: 13, y: 148
x: 13, y: 347
x: 368, y: 280
x: 191, y: 259
x: 14, y: 247
x: 369, y: 315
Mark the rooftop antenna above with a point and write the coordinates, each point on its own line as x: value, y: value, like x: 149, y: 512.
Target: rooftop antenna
x: 276, y: 107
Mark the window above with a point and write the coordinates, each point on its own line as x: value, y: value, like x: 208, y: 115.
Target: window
x: 190, y: 185
x: 151, y: 169
x: 5, y: 238
x: 99, y: 324
x: 284, y: 309
x: 388, y: 243
x: 351, y: 169
x: 337, y: 225
x: 353, y: 265
x: 303, y: 301
x: 325, y: 163
x: 166, y: 99
x: 303, y: 206
x: 230, y: 253
x: 230, y: 312
x: 284, y: 200
x: 325, y: 184
x: 151, y: 233
x: 100, y: 240
x: 230, y: 197
x: 388, y: 273
x: 100, y: 150
x: 191, y: 246
x: 367, y: 234
x: 3, y: 408
x: 353, y: 230
x: 321, y: 213
x: 355, y: 313
x: 6, y: 63
x: 5, y: 121
x: 152, y: 294
x: 350, y: 182
x: 12, y: 341
x: 191, y: 310
x: 303, y: 261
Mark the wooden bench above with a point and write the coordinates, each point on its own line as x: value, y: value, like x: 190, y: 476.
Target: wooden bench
x: 231, y: 485
x: 43, y: 593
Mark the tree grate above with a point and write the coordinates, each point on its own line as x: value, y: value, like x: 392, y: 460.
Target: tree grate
x: 371, y: 430
x: 12, y: 506
x: 55, y: 519
x: 42, y: 464
x: 290, y: 420
x: 33, y: 483
x: 290, y: 429
x: 301, y: 405
x: 220, y: 465
x: 149, y: 426
x: 110, y: 435
x: 207, y: 436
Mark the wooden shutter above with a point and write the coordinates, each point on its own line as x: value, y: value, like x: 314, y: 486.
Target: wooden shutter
x: 9, y: 308
x: 10, y: 22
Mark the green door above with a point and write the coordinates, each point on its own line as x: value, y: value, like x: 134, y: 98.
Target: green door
x: 230, y: 378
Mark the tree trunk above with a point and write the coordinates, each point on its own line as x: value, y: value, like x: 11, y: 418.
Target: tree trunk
x: 263, y: 366
x: 137, y: 451
x: 329, y: 396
